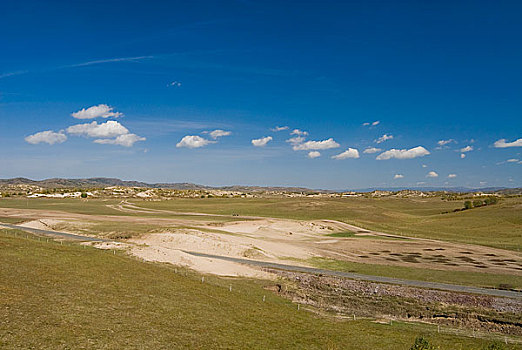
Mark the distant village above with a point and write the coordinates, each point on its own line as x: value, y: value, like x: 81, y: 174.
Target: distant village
x: 32, y: 191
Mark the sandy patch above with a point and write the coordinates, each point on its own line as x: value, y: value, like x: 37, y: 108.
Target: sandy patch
x: 204, y: 265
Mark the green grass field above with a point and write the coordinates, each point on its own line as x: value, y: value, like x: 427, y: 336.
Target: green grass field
x: 498, y: 225
x: 477, y: 279
x: 56, y: 296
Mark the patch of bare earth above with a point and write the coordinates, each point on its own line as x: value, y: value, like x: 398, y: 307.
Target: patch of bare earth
x: 346, y: 297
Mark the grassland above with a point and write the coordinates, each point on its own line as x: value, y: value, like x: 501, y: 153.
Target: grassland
x: 476, y: 279
x: 498, y: 225
x: 56, y: 296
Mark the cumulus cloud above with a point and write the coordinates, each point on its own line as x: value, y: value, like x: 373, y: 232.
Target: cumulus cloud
x: 371, y: 150
x: 316, y: 145
x: 462, y: 156
x: 299, y: 132
x: 48, y: 136
x: 411, y: 153
x: 445, y: 142
x: 109, y: 129
x: 314, y: 154
x: 193, y: 141
x: 127, y: 140
x: 262, y: 141
x: 219, y: 133
x: 349, y: 153
x: 279, y: 128
x: 452, y: 176
x: 99, y: 111
x: 503, y: 144
x: 424, y: 166
x: 175, y: 83
x: 375, y: 123
x: 296, y: 140
x: 398, y: 176
x: 109, y: 133
x: 466, y: 149
x: 432, y: 174
x: 512, y: 160
x: 383, y: 138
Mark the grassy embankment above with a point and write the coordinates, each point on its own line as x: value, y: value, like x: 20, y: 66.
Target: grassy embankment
x: 56, y: 296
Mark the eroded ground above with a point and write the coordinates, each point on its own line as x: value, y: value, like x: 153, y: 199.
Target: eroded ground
x: 162, y: 235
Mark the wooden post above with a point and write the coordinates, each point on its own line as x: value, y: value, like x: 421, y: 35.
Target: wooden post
x: 230, y: 288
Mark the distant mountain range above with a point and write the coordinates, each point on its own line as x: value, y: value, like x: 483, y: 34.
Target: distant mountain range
x: 101, y: 182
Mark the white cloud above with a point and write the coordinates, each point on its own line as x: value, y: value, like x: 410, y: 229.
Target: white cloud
x: 375, y: 123
x: 99, y: 111
x: 398, y: 176
x: 175, y: 83
x: 432, y: 174
x: 512, y: 160
x: 109, y: 129
x: 314, y: 154
x: 219, y: 133
x: 383, y: 138
x: 316, y: 145
x: 415, y: 152
x: 445, y: 142
x: 48, y: 136
x: 503, y: 144
x: 262, y: 141
x: 452, y: 176
x: 462, y: 156
x: 193, y: 141
x: 372, y: 150
x: 296, y: 140
x: 279, y: 128
x: 424, y: 166
x: 349, y: 153
x: 127, y: 140
x: 466, y: 149
x: 299, y: 132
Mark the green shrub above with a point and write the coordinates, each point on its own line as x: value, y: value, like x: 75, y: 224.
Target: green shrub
x: 478, y: 203
x: 468, y: 205
x: 422, y: 343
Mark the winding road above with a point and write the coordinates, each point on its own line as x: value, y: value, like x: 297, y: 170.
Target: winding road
x: 304, y: 269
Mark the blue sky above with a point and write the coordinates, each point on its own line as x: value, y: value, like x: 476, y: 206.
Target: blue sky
x: 162, y: 76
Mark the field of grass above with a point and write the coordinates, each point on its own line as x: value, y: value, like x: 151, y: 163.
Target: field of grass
x: 476, y: 279
x: 56, y: 296
x: 497, y: 225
